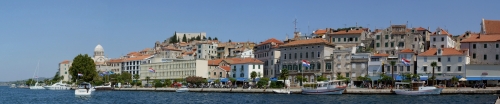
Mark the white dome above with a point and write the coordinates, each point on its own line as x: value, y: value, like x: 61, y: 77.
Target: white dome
x: 98, y: 48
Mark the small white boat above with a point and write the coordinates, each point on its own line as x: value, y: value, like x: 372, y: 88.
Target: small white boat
x: 83, y: 90
x: 182, y: 89
x: 281, y: 91
x: 58, y: 86
x: 418, y: 88
x: 37, y: 87
x: 330, y: 87
x: 106, y: 86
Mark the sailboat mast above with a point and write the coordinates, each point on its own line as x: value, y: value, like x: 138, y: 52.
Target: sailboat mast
x: 37, y: 68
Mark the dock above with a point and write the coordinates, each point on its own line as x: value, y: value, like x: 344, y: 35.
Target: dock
x: 298, y: 91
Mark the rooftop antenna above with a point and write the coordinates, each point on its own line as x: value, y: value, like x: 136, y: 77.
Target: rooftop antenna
x: 295, y: 24
x: 307, y: 27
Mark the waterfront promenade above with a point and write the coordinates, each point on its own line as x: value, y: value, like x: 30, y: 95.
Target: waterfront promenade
x: 297, y: 91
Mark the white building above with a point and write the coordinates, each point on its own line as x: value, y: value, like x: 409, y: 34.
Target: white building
x: 64, y: 70
x: 175, y: 69
x: 241, y: 68
x: 206, y: 50
x: 133, y: 61
x: 269, y: 53
x: 450, y: 62
x: 247, y: 53
x: 442, y: 39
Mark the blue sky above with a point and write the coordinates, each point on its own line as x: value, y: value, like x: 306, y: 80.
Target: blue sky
x: 55, y: 30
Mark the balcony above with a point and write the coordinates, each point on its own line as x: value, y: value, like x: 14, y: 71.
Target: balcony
x: 359, y: 60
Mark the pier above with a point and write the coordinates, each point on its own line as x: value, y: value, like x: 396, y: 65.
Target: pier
x: 298, y: 91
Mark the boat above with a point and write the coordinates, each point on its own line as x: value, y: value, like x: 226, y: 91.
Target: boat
x: 22, y: 86
x: 83, y: 90
x: 286, y: 90
x: 182, y: 89
x: 36, y: 86
x: 58, y: 86
x: 322, y: 87
x: 13, y: 86
x: 106, y: 86
x: 418, y: 88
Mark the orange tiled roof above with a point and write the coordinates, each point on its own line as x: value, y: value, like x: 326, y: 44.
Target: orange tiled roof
x: 65, y: 62
x: 481, y: 38
x: 354, y: 31
x: 445, y: 52
x: 421, y: 29
x: 115, y: 60
x: 307, y: 42
x: 227, y: 68
x: 381, y: 54
x: 146, y: 49
x: 320, y: 32
x: 133, y: 54
x: 246, y: 61
x: 272, y: 40
x: 137, y: 58
x: 491, y: 27
x: 214, y: 62
x: 406, y: 51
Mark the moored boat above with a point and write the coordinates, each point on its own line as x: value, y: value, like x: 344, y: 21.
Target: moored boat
x: 13, y: 86
x: 418, y: 88
x: 182, y: 89
x: 329, y: 87
x: 58, y: 86
x: 83, y: 90
x: 37, y: 87
x: 106, y: 86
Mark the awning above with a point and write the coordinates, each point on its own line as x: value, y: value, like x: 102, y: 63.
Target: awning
x: 241, y: 79
x: 399, y: 78
x: 224, y: 80
x: 422, y: 78
x: 482, y: 78
x: 458, y: 76
x: 274, y: 79
x: 210, y: 80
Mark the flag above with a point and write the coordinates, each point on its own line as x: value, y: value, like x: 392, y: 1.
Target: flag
x: 105, y: 73
x: 305, y: 63
x: 406, y: 62
x: 80, y: 74
x: 152, y: 70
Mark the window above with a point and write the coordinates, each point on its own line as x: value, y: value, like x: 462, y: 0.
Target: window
x: 449, y: 59
x: 319, y: 54
x: 496, y: 57
x: 345, y: 39
x: 258, y: 66
x: 401, y: 69
x: 425, y: 68
x: 415, y: 39
x: 337, y: 39
x: 459, y: 59
x: 433, y: 39
x: 378, y: 37
x: 242, y: 75
x: 442, y: 38
x: 459, y: 68
x: 378, y: 44
x: 215, y: 73
x: 386, y: 44
x: 402, y: 36
x: 284, y: 56
x: 485, y: 45
x: 333, y: 39
x: 392, y: 44
x: 386, y: 36
x: 485, y: 57
x: 442, y: 46
x: 295, y: 55
x: 290, y: 56
x: 448, y: 68
x: 253, y: 66
x: 407, y: 68
x: 497, y: 45
x: 234, y: 75
x: 356, y: 39
x: 473, y: 46
x: 319, y: 65
x: 312, y: 54
x: 220, y: 73
x: 347, y: 75
x: 65, y: 72
x: 425, y: 59
x: 329, y: 66
x: 439, y: 59
x: 363, y: 65
x: 439, y: 68
x: 300, y: 55
x: 307, y: 55
x: 474, y: 55
x: 312, y: 66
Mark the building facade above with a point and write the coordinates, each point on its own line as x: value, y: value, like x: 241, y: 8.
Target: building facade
x: 269, y: 53
x: 176, y: 69
x: 450, y: 62
x: 64, y: 70
x: 218, y: 69
x: 243, y: 67
x: 442, y: 39
x: 206, y: 51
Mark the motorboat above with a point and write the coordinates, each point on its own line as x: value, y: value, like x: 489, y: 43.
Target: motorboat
x: 22, y: 86
x: 182, y: 89
x: 58, y: 86
x: 106, y: 86
x: 37, y: 87
x: 13, y: 86
x: 418, y: 88
x: 83, y: 90
x: 286, y: 90
x: 322, y: 87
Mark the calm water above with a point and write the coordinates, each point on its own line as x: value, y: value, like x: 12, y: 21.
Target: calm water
x: 23, y: 96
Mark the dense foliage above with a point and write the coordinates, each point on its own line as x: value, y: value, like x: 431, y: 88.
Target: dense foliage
x: 195, y: 80
x: 263, y: 82
x: 85, y: 65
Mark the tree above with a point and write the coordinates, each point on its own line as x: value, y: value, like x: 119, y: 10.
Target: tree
x: 258, y: 74
x: 184, y: 39
x: 229, y: 40
x: 300, y: 78
x: 136, y: 77
x: 174, y: 39
x: 393, y: 63
x: 57, y: 77
x: 127, y: 77
x: 204, y: 38
x: 215, y: 38
x: 217, y: 81
x: 85, y: 65
x: 195, y: 80
x: 262, y: 82
x: 284, y: 74
x: 198, y: 38
x: 147, y: 79
x: 433, y: 65
x: 253, y: 75
x: 209, y: 38
x: 30, y: 82
x: 321, y: 78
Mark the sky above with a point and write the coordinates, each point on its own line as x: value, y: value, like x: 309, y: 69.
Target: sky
x: 51, y: 31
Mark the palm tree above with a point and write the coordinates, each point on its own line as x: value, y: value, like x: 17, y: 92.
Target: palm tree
x: 147, y: 80
x: 433, y: 65
x: 253, y: 75
x: 136, y: 76
x: 284, y: 75
x: 393, y: 63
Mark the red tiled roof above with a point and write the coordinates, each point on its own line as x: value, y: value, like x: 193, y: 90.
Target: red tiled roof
x: 307, y: 42
x: 214, y: 62
x: 421, y: 29
x: 445, y: 52
x: 137, y: 58
x: 491, y: 27
x: 319, y: 32
x: 65, y: 62
x: 227, y: 68
x: 381, y: 54
x: 354, y: 31
x: 247, y: 61
x: 481, y: 38
x: 406, y: 51
x: 115, y: 60
x: 272, y: 40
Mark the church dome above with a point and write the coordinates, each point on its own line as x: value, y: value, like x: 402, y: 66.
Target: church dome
x: 98, y: 48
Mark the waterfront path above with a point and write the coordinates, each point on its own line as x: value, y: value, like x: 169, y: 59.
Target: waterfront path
x: 297, y: 91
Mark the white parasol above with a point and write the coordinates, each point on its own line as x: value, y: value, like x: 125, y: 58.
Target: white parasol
x: 462, y: 79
